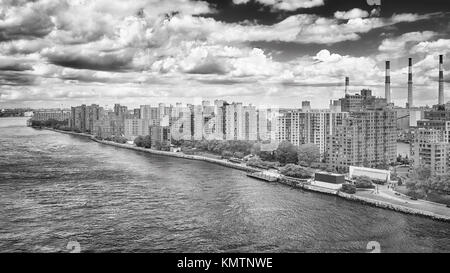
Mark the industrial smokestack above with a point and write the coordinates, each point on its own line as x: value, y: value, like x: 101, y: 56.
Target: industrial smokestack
x: 347, y: 83
x: 441, y: 80
x: 387, y: 91
x: 410, y: 84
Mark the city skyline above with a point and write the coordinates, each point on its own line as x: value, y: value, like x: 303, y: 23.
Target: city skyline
x: 274, y: 53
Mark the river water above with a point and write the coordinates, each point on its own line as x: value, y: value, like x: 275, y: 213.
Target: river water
x: 57, y: 188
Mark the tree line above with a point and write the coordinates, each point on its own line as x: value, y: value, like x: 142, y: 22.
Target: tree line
x: 286, y: 152
x: 52, y: 123
x: 421, y: 183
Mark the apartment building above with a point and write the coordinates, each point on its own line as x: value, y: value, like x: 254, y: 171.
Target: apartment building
x: 136, y: 127
x: 308, y: 126
x: 365, y: 138
x: 82, y: 118
x: 430, y: 149
x: 432, y: 139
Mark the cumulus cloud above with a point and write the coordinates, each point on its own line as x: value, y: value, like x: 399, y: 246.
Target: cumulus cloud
x: 300, y: 28
x: 440, y: 46
x: 287, y: 5
x: 351, y: 14
x: 75, y: 49
x: 399, y: 43
x: 397, y: 47
x: 23, y: 47
x: 327, y: 68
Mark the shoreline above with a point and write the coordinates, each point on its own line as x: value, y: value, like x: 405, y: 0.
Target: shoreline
x: 163, y: 153
x: 350, y: 197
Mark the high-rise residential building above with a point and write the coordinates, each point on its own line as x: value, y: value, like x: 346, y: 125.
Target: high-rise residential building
x: 234, y: 122
x: 145, y: 111
x: 160, y: 135
x: 432, y: 139
x: 209, y: 122
x: 137, y: 113
x: 162, y: 110
x: 263, y: 122
x: 109, y: 125
x: 120, y: 110
x: 154, y: 114
x: 180, y: 121
x: 431, y: 148
x: 365, y: 138
x: 319, y: 125
x: 219, y: 117
x: 82, y: 118
x: 93, y: 113
x: 136, y: 127
x: 310, y: 126
x: 306, y: 105
x: 249, y: 123
x: 335, y: 105
x: 78, y: 118
x: 197, y: 122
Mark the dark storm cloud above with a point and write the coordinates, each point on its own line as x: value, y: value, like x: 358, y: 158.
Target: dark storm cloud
x: 86, y: 77
x: 209, y: 67
x: 117, y: 61
x: 222, y: 81
x: 330, y: 84
x: 19, y: 32
x: 15, y: 78
x: 14, y: 67
x: 24, y: 23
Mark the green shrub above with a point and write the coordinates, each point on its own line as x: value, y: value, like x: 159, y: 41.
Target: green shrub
x: 348, y: 188
x: 296, y: 171
x: 364, y: 182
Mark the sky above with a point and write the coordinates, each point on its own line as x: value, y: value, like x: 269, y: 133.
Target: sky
x: 277, y: 53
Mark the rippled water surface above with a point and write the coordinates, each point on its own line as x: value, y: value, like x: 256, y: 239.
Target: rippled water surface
x: 56, y: 188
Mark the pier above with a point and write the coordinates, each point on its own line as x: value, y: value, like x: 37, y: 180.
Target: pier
x: 263, y: 176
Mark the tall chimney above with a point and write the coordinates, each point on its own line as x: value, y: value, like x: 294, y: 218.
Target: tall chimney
x: 441, y: 80
x: 347, y: 83
x: 410, y: 84
x: 387, y: 91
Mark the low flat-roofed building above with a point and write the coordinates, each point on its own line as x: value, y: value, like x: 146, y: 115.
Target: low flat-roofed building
x: 330, y: 181
x: 329, y: 177
x: 375, y: 174
x: 48, y: 114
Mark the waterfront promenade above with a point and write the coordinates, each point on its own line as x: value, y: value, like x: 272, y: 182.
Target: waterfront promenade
x: 384, y: 199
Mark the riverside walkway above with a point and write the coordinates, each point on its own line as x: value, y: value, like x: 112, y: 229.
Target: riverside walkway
x: 387, y: 195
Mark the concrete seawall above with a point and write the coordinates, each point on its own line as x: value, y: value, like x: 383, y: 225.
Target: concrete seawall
x: 285, y: 181
x: 394, y: 207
